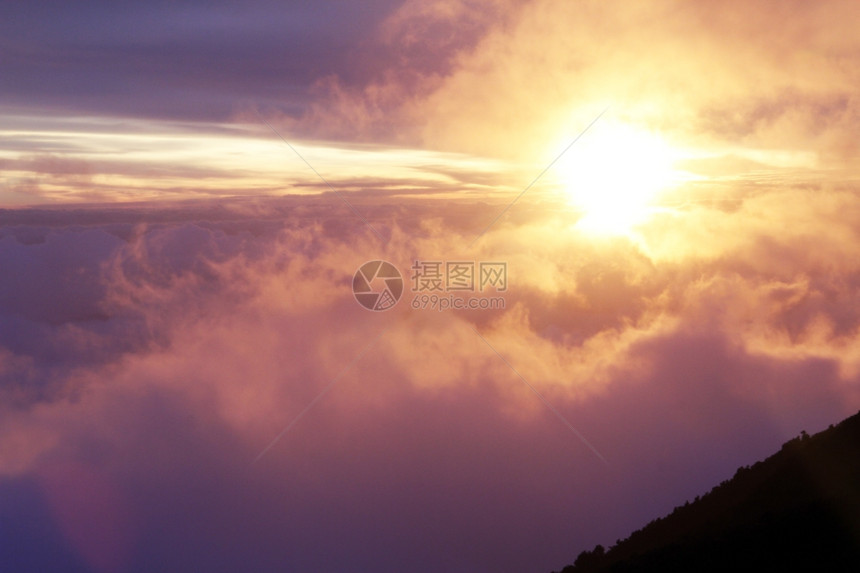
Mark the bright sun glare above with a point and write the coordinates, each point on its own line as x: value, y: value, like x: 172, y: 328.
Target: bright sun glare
x: 614, y: 174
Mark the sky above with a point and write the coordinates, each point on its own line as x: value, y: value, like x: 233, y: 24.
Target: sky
x: 189, y: 193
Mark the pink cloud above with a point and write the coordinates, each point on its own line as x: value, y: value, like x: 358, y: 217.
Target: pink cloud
x: 215, y: 334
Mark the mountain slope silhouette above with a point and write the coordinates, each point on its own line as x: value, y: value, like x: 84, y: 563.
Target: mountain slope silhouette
x: 798, y: 510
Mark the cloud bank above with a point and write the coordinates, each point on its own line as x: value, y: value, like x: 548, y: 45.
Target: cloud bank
x: 148, y: 356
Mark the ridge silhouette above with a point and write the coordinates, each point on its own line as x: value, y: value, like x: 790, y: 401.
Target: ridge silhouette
x: 798, y: 510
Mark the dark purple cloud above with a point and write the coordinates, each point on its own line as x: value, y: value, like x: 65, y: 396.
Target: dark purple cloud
x: 189, y: 60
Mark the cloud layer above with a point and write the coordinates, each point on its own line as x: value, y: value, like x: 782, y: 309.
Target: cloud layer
x: 150, y: 351
x: 161, y: 355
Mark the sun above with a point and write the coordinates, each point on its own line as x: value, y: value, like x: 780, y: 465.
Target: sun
x: 614, y: 174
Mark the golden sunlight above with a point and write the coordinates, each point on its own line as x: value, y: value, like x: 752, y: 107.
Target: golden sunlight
x: 614, y: 174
